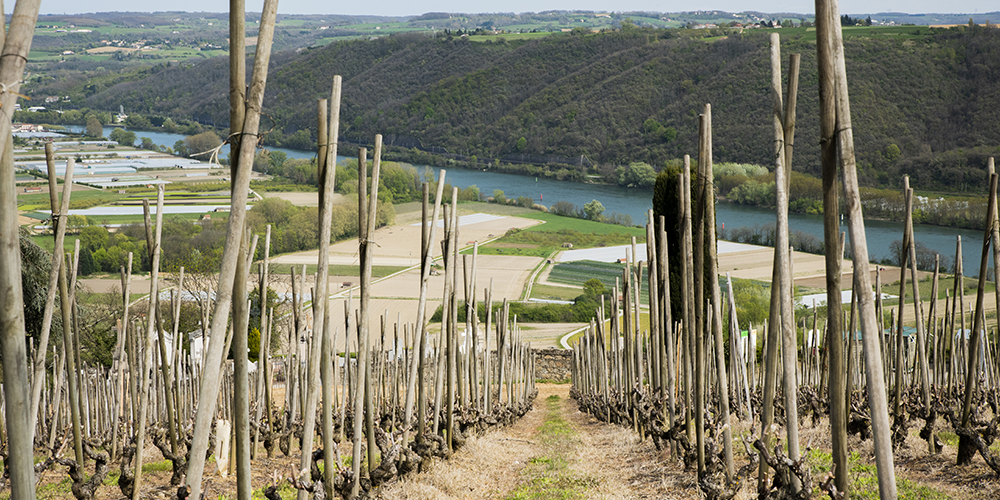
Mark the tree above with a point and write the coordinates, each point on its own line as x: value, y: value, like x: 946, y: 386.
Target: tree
x: 564, y: 208
x: 668, y: 134
x: 521, y: 143
x: 277, y: 159
x: 87, y: 264
x: 593, y: 210
x: 499, y: 197
x: 94, y: 237
x: 665, y: 203
x: 180, y: 148
x: 75, y: 223
x: 138, y: 122
x: 123, y: 137
x: 199, y: 143
x: 470, y: 193
x: 255, y: 319
x: 593, y: 287
x: 638, y: 174
x: 892, y: 153
x: 35, y: 266
x: 148, y: 144
x: 94, y: 127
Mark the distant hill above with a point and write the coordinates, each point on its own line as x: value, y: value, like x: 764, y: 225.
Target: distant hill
x: 925, y: 102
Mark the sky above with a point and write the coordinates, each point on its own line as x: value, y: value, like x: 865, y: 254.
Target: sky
x: 415, y: 7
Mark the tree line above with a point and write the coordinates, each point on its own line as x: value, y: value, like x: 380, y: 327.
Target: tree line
x: 199, y: 245
x: 591, y: 95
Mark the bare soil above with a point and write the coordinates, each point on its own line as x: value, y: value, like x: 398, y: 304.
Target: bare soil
x: 306, y: 199
x: 611, y: 460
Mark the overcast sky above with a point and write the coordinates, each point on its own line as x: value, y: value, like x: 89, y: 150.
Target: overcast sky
x: 414, y: 7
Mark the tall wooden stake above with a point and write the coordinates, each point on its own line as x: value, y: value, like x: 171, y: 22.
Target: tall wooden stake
x: 209, y: 386
x: 12, y: 332
x: 782, y: 250
x: 966, y: 450
x: 830, y: 46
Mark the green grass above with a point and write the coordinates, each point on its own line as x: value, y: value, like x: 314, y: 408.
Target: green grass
x: 161, y: 466
x: 336, y: 269
x: 539, y: 291
x: 547, y: 476
x: 138, y: 219
x: 543, y: 239
x: 643, y: 327
x: 893, y: 32
x: 78, y: 200
x: 948, y: 438
x: 511, y: 36
x: 945, y: 282
x: 285, y: 490
x: 555, y: 223
x: 47, y: 242
x: 864, y: 478
x: 577, y: 273
x: 61, y: 488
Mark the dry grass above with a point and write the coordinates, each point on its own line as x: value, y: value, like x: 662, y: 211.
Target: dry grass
x: 485, y: 468
x: 609, y: 462
x: 918, y: 473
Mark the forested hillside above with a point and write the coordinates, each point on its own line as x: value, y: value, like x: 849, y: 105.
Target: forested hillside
x: 924, y: 105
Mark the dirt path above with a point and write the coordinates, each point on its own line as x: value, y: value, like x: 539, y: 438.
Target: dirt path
x: 555, y: 451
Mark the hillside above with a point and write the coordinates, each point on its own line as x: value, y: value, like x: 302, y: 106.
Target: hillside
x: 924, y: 101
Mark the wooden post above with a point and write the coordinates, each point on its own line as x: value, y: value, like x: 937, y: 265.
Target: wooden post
x: 241, y: 378
x: 327, y: 173
x: 147, y: 365
x: 781, y: 242
x: 428, y: 228
x: 451, y: 344
x: 209, y: 386
x: 12, y: 332
x: 60, y: 212
x: 957, y: 308
x: 713, y: 267
x: 918, y: 306
x: 831, y: 49
x: 237, y: 75
x: 366, y: 273
x: 656, y: 338
x: 687, y: 250
x: 328, y: 375
x: 904, y: 256
x: 120, y: 355
x: 263, y: 345
x: 966, y: 450
x: 698, y: 272
x: 990, y: 166
x: 666, y: 318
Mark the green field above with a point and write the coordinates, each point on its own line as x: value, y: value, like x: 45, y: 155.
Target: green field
x: 577, y: 273
x: 78, y: 200
x: 539, y: 291
x: 47, y: 242
x: 557, y: 231
x: 138, y: 219
x: 554, y: 223
x: 335, y: 269
x: 512, y: 36
x: 894, y: 32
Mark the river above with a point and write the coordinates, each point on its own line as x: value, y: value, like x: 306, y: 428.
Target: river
x: 635, y: 202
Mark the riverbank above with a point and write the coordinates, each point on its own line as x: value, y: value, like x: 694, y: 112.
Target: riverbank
x: 636, y: 201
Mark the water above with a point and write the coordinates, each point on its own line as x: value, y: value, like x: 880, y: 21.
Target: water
x: 636, y: 202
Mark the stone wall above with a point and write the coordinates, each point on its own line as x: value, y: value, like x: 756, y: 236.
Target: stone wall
x: 552, y: 364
